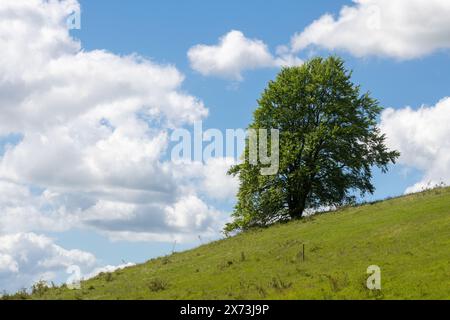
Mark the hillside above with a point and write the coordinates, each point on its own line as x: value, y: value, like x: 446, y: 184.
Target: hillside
x: 408, y: 237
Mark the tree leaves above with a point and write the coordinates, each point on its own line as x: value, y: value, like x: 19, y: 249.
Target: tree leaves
x: 329, y: 142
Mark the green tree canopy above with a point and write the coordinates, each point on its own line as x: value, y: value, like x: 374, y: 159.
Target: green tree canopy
x: 329, y: 144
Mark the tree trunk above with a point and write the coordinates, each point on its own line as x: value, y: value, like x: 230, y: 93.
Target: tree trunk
x: 298, y: 205
x: 296, y: 212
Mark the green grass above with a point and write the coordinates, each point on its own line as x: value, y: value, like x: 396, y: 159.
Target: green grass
x: 407, y: 237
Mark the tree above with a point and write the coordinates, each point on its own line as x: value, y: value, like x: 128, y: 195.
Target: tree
x: 329, y: 144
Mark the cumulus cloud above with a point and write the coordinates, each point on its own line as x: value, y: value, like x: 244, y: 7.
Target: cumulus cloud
x: 402, y: 29
x: 108, y: 269
x: 190, y: 214
x: 91, y: 144
x: 26, y: 258
x: 210, y: 177
x: 422, y: 137
x: 216, y: 183
x: 93, y: 128
x: 23, y: 211
x: 235, y: 54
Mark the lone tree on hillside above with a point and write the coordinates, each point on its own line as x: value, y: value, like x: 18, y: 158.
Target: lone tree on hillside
x: 329, y: 143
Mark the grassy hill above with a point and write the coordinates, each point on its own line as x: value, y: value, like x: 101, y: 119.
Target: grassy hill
x: 407, y: 237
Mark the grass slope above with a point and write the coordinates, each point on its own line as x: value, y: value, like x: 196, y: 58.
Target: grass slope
x: 408, y: 237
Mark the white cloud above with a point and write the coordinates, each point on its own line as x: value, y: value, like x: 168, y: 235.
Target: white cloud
x: 422, y: 137
x: 108, y: 269
x: 403, y: 29
x: 94, y: 132
x: 286, y: 58
x: 216, y: 183
x: 8, y: 264
x: 209, y: 178
x: 94, y: 136
x: 235, y: 54
x: 190, y: 213
x: 26, y: 258
x: 22, y: 211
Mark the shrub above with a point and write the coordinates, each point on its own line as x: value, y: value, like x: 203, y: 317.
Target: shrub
x: 278, y: 284
x: 39, y: 288
x: 157, y: 285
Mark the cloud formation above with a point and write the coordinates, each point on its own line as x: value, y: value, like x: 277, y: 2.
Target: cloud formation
x: 91, y: 135
x: 235, y: 54
x: 402, y: 29
x: 108, y: 269
x: 26, y: 258
x: 94, y: 132
x: 422, y: 137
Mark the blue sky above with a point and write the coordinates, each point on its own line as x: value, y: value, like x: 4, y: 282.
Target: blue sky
x: 164, y: 31
x: 65, y: 208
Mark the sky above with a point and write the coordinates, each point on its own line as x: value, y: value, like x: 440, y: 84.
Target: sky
x: 86, y: 114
